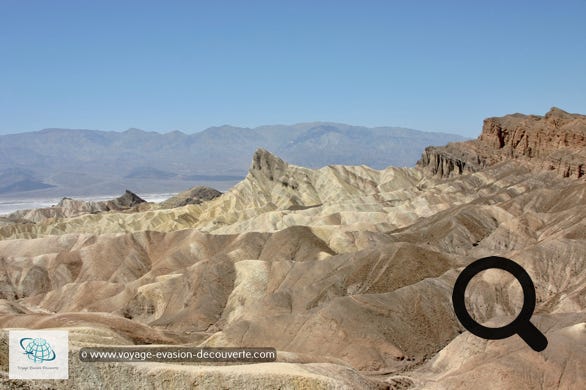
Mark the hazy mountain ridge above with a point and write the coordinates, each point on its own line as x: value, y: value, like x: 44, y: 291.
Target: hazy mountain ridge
x: 20, y: 180
x: 70, y: 160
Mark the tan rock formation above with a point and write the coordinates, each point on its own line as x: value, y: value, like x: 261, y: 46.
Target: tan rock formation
x: 68, y: 208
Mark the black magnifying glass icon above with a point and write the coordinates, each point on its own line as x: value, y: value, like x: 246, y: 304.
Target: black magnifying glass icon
x: 520, y: 325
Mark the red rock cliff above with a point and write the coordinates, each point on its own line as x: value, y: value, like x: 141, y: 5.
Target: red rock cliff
x: 556, y: 141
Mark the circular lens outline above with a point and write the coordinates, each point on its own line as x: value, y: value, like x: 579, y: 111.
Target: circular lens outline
x: 521, y: 324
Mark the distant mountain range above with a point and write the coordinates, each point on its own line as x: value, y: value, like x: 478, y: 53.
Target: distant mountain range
x: 66, y: 162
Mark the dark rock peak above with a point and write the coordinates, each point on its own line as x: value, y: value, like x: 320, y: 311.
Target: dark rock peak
x: 204, y: 192
x: 195, y: 195
x: 128, y: 199
x: 268, y: 164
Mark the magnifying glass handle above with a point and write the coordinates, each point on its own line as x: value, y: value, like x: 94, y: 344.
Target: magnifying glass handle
x: 533, y: 336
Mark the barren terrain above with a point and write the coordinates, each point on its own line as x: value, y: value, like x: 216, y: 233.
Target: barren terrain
x: 346, y: 270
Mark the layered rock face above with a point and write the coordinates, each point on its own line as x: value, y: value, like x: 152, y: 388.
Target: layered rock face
x: 556, y: 142
x: 347, y: 271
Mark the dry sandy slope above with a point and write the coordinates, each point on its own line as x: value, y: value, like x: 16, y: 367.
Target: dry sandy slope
x: 341, y: 266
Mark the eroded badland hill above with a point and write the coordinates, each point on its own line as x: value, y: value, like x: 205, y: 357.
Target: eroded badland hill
x: 346, y: 270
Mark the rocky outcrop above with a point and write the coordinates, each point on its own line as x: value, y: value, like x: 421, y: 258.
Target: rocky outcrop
x: 68, y: 208
x: 195, y: 195
x: 554, y: 142
x: 451, y: 159
x: 271, y: 166
x: 127, y: 200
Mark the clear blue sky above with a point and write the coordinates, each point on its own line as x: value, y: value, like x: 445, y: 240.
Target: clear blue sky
x: 188, y: 65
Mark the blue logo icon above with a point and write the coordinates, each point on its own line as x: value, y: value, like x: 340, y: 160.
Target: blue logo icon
x: 38, y: 350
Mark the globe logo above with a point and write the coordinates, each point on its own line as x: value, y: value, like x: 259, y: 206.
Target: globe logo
x: 38, y: 350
